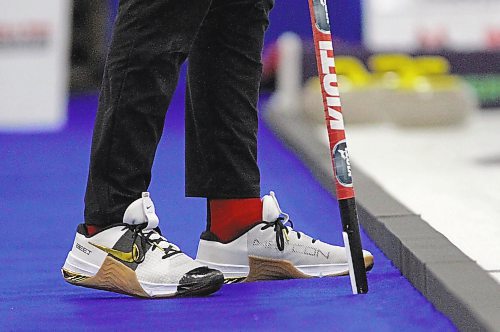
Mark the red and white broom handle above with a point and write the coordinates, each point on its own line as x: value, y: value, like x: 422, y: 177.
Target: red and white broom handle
x: 338, y: 147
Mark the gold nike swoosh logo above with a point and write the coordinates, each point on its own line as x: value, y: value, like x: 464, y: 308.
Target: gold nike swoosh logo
x: 129, y: 257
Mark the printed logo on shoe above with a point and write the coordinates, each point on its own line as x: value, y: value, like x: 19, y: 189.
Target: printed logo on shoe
x: 343, y: 171
x: 265, y: 244
x: 310, y: 251
x: 83, y: 249
x: 296, y: 248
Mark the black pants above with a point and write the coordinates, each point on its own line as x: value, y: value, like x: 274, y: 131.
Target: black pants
x: 223, y: 41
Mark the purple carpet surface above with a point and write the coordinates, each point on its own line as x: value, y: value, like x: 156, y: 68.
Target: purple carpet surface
x: 42, y: 182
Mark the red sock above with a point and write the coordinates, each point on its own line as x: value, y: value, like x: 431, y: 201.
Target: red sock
x: 92, y: 229
x: 229, y: 218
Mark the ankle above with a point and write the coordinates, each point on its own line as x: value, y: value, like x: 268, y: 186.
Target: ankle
x: 92, y: 229
x: 229, y: 218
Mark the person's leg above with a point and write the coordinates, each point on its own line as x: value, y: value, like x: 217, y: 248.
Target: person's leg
x: 151, y: 39
x: 222, y: 93
x: 221, y: 115
x: 247, y: 239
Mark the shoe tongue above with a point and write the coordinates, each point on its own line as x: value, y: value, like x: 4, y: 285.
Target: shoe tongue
x: 141, y: 211
x: 270, y: 208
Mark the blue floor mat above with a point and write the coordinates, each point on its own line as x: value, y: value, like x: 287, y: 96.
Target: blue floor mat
x: 42, y: 182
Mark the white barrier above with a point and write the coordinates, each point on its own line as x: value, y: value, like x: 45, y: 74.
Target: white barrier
x: 410, y: 25
x: 34, y: 61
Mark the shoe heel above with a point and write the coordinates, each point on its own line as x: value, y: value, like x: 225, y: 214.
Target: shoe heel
x: 272, y: 269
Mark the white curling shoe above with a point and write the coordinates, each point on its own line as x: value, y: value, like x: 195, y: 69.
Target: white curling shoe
x: 272, y: 250
x: 133, y: 258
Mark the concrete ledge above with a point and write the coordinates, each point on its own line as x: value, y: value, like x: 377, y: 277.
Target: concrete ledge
x: 449, y: 279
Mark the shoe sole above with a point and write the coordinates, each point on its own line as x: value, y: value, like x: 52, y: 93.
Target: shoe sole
x: 115, y: 277
x: 262, y: 269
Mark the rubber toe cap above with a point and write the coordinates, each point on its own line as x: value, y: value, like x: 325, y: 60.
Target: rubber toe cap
x: 200, y: 281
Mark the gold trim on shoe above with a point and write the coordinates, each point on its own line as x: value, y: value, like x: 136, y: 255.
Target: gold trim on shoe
x: 129, y: 257
x: 236, y: 280
x: 73, y: 277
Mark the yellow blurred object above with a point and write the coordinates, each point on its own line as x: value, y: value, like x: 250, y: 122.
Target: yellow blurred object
x: 396, y: 62
x: 432, y: 65
x: 353, y: 70
x: 436, y: 70
x: 399, y: 89
x: 419, y: 91
x: 394, y: 70
x: 422, y: 73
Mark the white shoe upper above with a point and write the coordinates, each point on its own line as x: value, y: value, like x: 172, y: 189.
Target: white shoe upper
x: 159, y: 265
x: 274, y: 239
